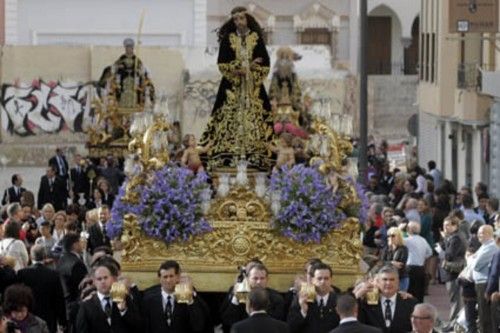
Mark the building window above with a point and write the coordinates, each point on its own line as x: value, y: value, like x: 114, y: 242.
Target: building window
x: 316, y: 36
x: 427, y: 55
x: 433, y: 57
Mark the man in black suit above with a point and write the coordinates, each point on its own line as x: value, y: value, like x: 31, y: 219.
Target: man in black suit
x: 13, y: 193
x: 60, y: 164
x: 392, y: 312
x: 232, y: 311
x: 52, y: 190
x: 80, y: 182
x: 424, y: 318
x: 46, y: 287
x: 72, y: 271
x: 97, y: 232
x: 347, y: 308
x: 319, y: 316
x: 102, y: 314
x: 163, y: 313
x: 258, y: 320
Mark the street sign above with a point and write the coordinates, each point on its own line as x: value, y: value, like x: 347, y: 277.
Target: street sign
x: 468, y: 16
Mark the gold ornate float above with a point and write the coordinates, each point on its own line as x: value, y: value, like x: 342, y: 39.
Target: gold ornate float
x: 241, y: 222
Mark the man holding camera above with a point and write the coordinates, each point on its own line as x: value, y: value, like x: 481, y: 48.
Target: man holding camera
x: 232, y: 311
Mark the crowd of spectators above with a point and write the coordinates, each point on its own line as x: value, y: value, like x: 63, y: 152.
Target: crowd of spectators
x: 57, y: 265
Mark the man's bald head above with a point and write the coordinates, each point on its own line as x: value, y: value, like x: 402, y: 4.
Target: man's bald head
x: 413, y: 228
x: 485, y: 233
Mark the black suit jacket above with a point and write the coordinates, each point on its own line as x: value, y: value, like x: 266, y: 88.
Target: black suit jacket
x: 313, y: 322
x: 372, y: 315
x: 260, y: 323
x: 109, y: 200
x: 97, y: 238
x: 53, y: 162
x: 185, y: 318
x: 231, y: 314
x: 72, y: 271
x: 10, y: 195
x: 80, y: 183
x: 47, y: 293
x: 92, y: 319
x: 56, y: 194
x: 355, y: 327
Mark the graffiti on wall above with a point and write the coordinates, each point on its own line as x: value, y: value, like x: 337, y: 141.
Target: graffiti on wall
x: 45, y: 107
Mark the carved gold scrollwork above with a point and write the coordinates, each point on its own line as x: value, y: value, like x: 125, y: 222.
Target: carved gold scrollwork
x: 241, y: 204
x: 234, y: 242
x: 339, y: 149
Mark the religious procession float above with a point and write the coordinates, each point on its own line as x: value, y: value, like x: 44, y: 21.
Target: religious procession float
x: 271, y: 177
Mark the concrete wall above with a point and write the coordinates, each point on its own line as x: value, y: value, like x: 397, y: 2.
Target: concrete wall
x: 166, y: 23
x: 391, y: 102
x: 73, y: 65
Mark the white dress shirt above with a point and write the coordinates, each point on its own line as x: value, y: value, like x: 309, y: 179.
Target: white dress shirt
x: 348, y: 320
x: 418, y: 250
x: 103, y: 302
x: 164, y: 298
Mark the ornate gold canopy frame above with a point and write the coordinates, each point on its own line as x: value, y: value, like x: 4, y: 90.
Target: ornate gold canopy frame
x: 242, y: 230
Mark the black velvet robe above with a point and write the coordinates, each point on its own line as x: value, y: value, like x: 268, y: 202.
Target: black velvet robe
x: 232, y: 132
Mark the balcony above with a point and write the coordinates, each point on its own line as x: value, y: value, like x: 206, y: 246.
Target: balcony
x: 469, y: 76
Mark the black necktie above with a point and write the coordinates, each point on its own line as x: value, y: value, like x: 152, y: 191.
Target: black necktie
x: 321, y: 307
x: 168, y: 310
x: 107, y: 307
x: 61, y: 166
x: 388, y: 313
x: 104, y: 235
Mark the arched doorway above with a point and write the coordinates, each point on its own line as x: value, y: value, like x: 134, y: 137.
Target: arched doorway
x: 384, y: 49
x: 411, y: 52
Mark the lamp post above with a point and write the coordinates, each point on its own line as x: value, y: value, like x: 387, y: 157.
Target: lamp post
x: 363, y: 90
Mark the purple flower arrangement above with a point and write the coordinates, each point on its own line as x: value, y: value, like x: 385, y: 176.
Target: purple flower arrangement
x: 308, y: 207
x: 364, y: 205
x: 169, y: 208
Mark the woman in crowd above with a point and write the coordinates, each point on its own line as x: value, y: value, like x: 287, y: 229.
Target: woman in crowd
x: 18, y: 302
x: 107, y: 196
x: 12, y: 246
x: 97, y: 199
x: 397, y: 255
x: 58, y: 231
x: 48, y: 212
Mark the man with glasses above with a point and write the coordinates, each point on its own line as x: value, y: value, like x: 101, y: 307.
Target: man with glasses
x: 423, y: 318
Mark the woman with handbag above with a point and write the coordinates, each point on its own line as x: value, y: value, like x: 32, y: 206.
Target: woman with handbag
x: 454, y: 247
x: 396, y: 254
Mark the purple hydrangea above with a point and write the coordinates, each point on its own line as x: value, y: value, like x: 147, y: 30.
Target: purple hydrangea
x: 364, y: 206
x: 169, y: 207
x: 309, y: 208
